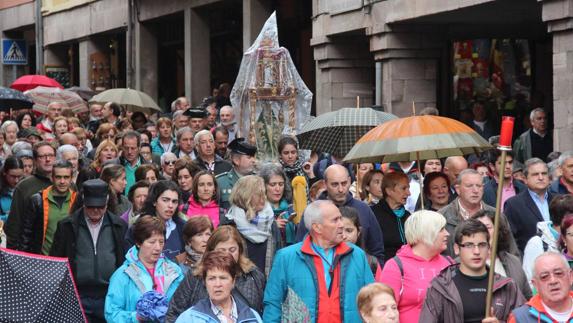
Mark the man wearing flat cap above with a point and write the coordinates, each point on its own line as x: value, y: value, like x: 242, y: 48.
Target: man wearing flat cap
x: 197, y: 118
x: 242, y: 156
x: 92, y: 240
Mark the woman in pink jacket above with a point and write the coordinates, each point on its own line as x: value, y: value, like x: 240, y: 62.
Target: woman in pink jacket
x: 203, y: 199
x: 410, y: 272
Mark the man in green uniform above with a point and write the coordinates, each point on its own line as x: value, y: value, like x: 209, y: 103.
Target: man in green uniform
x: 243, y: 160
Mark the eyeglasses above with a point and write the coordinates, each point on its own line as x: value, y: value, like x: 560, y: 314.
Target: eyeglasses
x: 471, y: 245
x: 545, y: 276
x: 170, y: 162
x: 46, y: 156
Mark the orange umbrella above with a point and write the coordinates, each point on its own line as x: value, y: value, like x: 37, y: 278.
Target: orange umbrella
x: 417, y: 138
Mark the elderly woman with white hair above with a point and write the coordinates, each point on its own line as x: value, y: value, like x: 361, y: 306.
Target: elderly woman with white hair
x: 71, y: 154
x: 410, y: 272
x: 168, y: 161
x: 8, y: 131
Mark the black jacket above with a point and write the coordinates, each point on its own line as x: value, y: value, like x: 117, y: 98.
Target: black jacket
x: 390, y: 231
x: 221, y: 165
x: 249, y: 288
x: 66, y: 235
x: 523, y: 215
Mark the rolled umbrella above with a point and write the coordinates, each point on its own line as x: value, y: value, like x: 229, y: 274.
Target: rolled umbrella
x: 42, y: 96
x: 336, y: 132
x: 11, y: 99
x: 29, y: 82
x: 133, y: 100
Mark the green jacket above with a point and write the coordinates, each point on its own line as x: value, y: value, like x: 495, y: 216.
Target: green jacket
x: 226, y: 181
x: 20, y: 207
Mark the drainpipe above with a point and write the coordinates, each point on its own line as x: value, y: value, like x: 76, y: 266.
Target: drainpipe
x: 39, y: 29
x: 129, y: 41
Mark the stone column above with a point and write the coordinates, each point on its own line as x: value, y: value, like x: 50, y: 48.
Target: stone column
x: 197, y: 56
x: 145, y: 60
x: 255, y: 13
x: 409, y: 69
x: 345, y: 71
x: 86, y: 48
x: 558, y: 15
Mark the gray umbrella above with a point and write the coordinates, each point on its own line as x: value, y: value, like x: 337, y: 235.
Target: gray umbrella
x: 13, y: 99
x: 336, y: 132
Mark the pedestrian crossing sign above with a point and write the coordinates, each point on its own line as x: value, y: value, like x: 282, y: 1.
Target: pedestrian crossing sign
x: 14, y: 52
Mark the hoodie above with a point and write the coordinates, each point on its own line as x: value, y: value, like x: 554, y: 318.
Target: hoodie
x: 194, y: 208
x: 410, y: 290
x: 544, y: 240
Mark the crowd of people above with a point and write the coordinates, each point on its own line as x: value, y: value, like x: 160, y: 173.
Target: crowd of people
x: 172, y: 217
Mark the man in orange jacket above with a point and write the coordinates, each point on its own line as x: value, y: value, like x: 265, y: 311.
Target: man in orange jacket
x: 554, y: 302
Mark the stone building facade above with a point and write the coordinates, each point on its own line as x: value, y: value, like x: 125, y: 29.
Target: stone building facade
x: 396, y: 52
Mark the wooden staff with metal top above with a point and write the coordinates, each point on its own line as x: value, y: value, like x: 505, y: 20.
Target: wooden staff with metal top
x: 504, y: 146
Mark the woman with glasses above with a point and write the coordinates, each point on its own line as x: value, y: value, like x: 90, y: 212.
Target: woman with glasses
x: 410, y: 272
x: 10, y: 175
x: 168, y: 161
x: 146, y: 153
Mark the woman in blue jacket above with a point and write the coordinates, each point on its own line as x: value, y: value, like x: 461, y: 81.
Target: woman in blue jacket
x: 145, y: 269
x: 218, y: 271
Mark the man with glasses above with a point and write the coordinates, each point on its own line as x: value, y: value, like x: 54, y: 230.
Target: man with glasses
x: 554, y: 301
x: 92, y: 239
x: 458, y: 293
x: 54, y: 111
x: 206, y: 157
x: 469, y: 187
x: 44, y: 156
x: 47, y: 208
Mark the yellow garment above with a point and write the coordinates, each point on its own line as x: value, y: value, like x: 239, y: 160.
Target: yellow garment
x: 299, y: 197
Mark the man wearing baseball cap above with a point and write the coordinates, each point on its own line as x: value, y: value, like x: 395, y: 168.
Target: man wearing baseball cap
x: 92, y: 239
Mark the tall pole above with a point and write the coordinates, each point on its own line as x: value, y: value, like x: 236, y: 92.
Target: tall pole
x: 39, y: 30
x: 504, y: 146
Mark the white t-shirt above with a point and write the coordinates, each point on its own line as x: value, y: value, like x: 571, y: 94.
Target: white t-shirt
x: 561, y: 317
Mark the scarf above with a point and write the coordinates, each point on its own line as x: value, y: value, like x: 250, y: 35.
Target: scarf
x: 192, y: 257
x: 257, y: 230
x: 294, y: 170
x: 399, y: 213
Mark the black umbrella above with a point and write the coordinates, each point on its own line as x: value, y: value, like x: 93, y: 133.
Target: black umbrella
x: 37, y: 289
x: 84, y: 92
x: 13, y: 99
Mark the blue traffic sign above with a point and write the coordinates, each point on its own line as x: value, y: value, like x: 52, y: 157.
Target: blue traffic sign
x: 14, y: 52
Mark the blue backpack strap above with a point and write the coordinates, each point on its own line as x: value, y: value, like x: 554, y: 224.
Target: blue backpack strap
x: 401, y: 267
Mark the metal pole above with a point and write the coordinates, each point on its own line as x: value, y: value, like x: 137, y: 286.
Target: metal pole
x: 493, y: 249
x: 39, y: 29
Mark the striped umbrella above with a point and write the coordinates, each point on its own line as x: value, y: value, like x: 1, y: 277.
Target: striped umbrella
x: 336, y: 132
x: 42, y: 96
x: 417, y: 138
